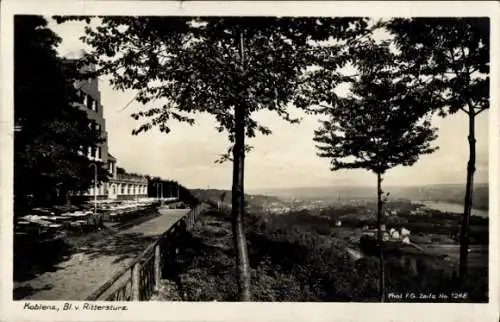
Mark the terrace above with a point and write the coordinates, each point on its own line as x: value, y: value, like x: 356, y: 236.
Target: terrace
x: 46, y: 224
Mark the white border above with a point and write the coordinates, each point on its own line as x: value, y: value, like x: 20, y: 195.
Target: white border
x: 180, y: 311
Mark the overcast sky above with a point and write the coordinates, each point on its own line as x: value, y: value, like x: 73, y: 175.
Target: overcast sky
x: 287, y: 158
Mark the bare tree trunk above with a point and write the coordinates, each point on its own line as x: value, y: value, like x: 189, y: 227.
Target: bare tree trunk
x: 380, y: 238
x: 240, y: 243
x: 238, y: 198
x: 67, y: 197
x: 471, y: 168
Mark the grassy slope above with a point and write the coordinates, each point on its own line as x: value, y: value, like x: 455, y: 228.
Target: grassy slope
x: 300, y: 258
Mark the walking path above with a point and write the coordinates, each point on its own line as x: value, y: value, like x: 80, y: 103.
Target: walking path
x: 93, y: 264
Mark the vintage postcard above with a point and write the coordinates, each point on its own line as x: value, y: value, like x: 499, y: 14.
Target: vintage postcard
x: 253, y: 160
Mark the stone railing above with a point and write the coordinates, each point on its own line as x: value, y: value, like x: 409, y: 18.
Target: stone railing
x: 140, y: 278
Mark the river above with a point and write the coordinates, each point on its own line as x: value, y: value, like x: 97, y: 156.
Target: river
x: 450, y: 207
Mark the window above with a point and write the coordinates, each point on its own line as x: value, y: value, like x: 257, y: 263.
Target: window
x: 99, y: 153
x: 96, y: 106
x: 95, y: 128
x: 80, y: 97
x: 90, y: 102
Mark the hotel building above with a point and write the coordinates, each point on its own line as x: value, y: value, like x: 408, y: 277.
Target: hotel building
x: 121, y: 185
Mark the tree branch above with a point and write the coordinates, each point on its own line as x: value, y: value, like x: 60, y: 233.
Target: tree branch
x: 479, y: 110
x: 470, y: 111
x: 464, y: 110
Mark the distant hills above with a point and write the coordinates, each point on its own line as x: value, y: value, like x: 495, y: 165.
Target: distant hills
x: 445, y: 193
x: 452, y: 193
x: 217, y: 194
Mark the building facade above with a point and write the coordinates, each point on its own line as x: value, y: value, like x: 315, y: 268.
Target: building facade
x: 121, y: 185
x: 90, y: 102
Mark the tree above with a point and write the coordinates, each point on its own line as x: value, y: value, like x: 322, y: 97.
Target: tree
x: 449, y: 59
x: 173, y: 187
x: 50, y: 128
x: 230, y: 67
x: 378, y: 125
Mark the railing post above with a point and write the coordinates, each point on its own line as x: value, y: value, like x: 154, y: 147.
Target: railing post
x: 136, y: 282
x: 157, y: 266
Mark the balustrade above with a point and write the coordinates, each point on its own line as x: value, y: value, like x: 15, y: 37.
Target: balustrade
x: 142, y: 277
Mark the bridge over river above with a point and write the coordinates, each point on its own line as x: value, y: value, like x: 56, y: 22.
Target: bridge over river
x: 95, y: 262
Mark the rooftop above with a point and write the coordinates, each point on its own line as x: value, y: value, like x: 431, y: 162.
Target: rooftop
x: 111, y: 158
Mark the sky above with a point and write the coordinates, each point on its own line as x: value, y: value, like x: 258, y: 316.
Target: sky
x: 286, y: 158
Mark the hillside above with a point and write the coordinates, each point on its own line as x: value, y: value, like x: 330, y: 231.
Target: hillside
x: 445, y: 193
x: 216, y: 194
x: 303, y: 257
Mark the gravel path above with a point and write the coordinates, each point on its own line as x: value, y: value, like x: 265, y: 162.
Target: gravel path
x: 93, y: 264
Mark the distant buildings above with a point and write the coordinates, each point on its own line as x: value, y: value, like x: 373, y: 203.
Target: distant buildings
x: 419, y: 211
x: 393, y: 234
x: 390, y: 212
x: 121, y: 185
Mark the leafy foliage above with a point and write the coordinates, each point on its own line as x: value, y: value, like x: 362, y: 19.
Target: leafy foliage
x: 191, y: 64
x: 380, y: 123
x: 449, y: 57
x: 170, y: 189
x: 51, y: 128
